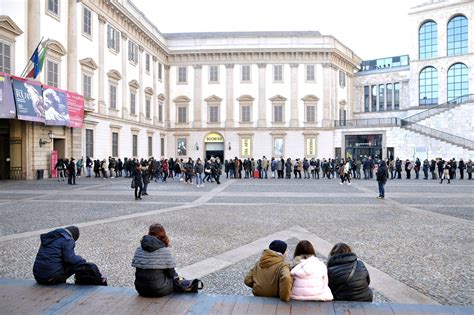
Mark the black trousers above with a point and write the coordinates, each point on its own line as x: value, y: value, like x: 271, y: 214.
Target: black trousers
x: 68, y: 271
x: 138, y: 192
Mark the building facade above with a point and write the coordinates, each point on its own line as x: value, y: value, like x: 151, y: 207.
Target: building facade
x: 281, y: 94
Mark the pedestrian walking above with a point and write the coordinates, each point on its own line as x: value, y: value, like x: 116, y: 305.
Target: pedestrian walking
x: 382, y: 175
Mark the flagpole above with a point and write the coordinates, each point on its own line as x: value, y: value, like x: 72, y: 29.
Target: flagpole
x: 29, y: 60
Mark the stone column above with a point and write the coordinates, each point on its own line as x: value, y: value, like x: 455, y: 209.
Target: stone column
x: 141, y: 95
x: 294, y: 122
x: 155, y: 102
x: 125, y: 112
x: 197, y: 123
x: 34, y: 26
x: 27, y: 128
x: 167, y: 96
x: 262, y: 120
x: 328, y: 86
x: 102, y: 44
x: 76, y: 134
x: 72, y: 47
x: 229, y: 91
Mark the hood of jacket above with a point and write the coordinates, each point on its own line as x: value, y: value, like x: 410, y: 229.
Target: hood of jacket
x: 307, y: 267
x: 153, y: 254
x: 50, y: 237
x: 341, y: 259
x: 151, y: 243
x: 270, y: 258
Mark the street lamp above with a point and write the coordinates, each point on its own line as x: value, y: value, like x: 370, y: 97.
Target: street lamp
x: 50, y: 136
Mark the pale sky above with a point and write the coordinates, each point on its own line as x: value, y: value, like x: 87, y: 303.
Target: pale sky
x: 371, y: 28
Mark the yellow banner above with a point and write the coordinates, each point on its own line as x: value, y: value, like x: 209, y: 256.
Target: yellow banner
x: 214, y: 137
x: 245, y: 147
x: 311, y: 146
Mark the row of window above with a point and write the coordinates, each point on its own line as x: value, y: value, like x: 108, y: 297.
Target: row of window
x: 382, y: 97
x: 245, y: 74
x: 115, y: 144
x: 278, y: 112
x: 457, y: 38
x: 458, y: 84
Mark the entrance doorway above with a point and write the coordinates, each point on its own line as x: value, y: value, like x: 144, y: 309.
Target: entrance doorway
x: 4, y: 149
x: 359, y: 146
x: 60, y: 146
x: 214, y: 146
x: 215, y: 150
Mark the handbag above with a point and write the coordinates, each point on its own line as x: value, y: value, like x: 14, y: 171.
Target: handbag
x: 132, y: 185
x: 182, y: 285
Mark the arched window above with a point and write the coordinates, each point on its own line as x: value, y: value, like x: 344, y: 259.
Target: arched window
x: 428, y: 40
x: 457, y: 81
x: 429, y: 86
x: 457, y: 35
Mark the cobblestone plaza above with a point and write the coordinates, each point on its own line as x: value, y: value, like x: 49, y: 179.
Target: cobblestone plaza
x: 417, y: 243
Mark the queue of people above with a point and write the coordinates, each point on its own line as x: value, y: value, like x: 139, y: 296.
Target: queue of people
x: 185, y: 169
x: 306, y: 277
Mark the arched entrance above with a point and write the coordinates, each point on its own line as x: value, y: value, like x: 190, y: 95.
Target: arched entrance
x: 214, y: 146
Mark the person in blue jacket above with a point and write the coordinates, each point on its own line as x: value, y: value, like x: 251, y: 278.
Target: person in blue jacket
x: 56, y: 260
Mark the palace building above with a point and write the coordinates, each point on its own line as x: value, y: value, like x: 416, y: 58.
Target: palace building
x: 244, y: 94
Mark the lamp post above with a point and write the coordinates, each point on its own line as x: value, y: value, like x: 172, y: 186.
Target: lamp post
x: 50, y: 136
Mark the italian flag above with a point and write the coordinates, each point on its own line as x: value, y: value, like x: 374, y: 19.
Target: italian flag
x: 38, y: 61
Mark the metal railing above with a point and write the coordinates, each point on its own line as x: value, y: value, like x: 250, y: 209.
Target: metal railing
x: 433, y: 110
x: 437, y: 134
x: 366, y: 123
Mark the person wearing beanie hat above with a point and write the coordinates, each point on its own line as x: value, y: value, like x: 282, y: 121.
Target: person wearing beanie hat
x: 74, y: 231
x: 270, y: 276
x: 56, y: 260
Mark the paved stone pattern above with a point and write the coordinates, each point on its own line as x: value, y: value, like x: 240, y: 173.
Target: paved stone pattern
x: 426, y: 251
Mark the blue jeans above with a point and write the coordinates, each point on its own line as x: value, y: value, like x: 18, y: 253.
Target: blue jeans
x: 381, y: 189
x: 198, y: 179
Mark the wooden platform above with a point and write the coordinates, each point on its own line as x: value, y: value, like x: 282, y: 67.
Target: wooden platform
x: 26, y: 297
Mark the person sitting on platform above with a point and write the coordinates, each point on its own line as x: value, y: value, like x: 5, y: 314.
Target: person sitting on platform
x: 348, y: 277
x: 270, y: 276
x: 56, y: 260
x: 155, y: 264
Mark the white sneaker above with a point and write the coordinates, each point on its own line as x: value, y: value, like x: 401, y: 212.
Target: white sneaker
x: 349, y: 184
x: 341, y: 183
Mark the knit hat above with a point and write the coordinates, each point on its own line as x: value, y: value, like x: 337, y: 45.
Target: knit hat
x: 278, y: 246
x: 74, y: 231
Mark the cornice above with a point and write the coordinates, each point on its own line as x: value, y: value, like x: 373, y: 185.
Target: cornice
x: 327, y: 57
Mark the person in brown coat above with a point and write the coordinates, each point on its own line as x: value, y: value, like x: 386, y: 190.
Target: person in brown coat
x: 271, y: 276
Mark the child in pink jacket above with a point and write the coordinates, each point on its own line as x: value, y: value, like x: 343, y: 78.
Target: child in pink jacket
x: 310, y: 275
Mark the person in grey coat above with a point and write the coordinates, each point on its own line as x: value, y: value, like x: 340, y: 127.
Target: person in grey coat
x: 155, y: 264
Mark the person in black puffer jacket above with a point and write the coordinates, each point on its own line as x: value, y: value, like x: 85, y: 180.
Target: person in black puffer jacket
x: 340, y: 265
x: 155, y: 264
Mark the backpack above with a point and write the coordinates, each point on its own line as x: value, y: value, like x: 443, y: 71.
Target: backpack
x: 182, y: 285
x: 89, y: 274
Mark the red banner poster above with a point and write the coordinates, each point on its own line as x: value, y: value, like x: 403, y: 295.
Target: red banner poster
x: 75, y: 104
x: 54, y: 160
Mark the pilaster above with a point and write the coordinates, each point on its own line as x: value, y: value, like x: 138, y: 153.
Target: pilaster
x: 262, y: 121
x: 125, y: 112
x: 167, y: 96
x: 102, y: 45
x: 294, y: 122
x: 197, y: 123
x: 72, y: 46
x: 141, y: 94
x: 154, y: 97
x: 229, y: 70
